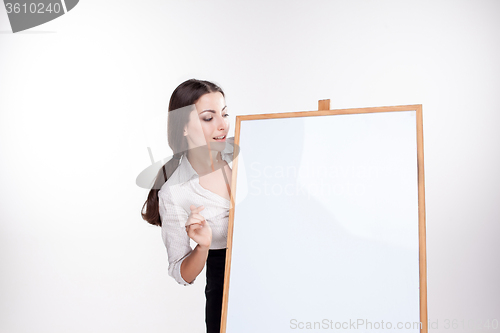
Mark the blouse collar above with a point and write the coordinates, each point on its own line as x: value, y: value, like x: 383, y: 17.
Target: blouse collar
x: 186, y: 171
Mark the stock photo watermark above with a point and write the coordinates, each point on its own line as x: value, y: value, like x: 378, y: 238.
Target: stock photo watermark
x: 24, y: 15
x: 351, y: 324
x: 265, y: 188
x: 310, y: 171
x: 310, y: 180
x: 365, y: 324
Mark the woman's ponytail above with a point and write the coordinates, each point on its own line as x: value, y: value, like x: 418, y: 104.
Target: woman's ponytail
x: 152, y: 213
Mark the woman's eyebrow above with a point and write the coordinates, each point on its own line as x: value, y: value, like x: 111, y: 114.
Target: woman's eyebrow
x: 213, y: 110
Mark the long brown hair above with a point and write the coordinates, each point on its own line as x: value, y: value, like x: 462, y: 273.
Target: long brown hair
x: 186, y: 94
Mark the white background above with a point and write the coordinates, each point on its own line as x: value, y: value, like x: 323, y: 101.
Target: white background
x: 76, y: 255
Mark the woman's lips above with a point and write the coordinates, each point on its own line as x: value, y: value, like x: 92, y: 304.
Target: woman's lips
x: 220, y: 140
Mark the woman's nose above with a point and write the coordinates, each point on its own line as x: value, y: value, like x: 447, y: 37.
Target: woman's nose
x: 221, y: 125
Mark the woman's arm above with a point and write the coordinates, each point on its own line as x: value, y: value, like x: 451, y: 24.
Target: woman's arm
x: 198, y: 230
x: 177, y: 237
x: 176, y: 240
x: 194, y: 263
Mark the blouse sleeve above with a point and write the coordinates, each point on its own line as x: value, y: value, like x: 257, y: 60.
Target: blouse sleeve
x: 174, y: 236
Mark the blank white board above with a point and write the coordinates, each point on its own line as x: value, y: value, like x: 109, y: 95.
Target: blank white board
x: 327, y: 236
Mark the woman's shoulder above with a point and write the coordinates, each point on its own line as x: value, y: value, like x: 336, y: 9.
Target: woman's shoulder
x: 175, y: 183
x: 174, y: 179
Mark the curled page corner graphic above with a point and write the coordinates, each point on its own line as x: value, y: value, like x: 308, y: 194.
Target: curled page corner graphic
x: 24, y: 14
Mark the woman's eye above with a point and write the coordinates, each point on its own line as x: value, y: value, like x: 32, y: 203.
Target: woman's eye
x: 208, y: 119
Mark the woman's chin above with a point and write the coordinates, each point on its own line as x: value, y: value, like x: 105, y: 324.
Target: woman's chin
x: 217, y: 145
x: 212, y: 145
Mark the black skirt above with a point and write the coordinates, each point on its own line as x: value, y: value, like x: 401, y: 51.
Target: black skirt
x: 216, y: 263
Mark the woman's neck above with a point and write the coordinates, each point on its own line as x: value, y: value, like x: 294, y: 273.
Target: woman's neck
x: 201, y: 162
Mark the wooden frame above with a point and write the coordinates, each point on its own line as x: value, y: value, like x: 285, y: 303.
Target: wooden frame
x: 324, y: 109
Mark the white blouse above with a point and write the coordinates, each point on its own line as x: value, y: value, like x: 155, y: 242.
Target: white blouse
x: 180, y: 191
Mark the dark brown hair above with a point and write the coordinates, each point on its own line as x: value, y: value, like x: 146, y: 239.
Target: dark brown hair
x: 186, y: 94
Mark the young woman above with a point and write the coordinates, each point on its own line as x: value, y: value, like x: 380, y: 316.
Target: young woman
x: 191, y: 195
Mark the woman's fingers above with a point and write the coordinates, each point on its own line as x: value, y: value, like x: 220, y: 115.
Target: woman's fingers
x: 196, y: 218
x: 196, y: 225
x: 193, y: 228
x: 195, y: 209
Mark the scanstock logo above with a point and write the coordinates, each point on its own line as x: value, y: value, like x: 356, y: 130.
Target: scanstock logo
x: 28, y: 14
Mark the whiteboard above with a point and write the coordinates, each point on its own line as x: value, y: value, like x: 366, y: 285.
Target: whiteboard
x: 329, y: 235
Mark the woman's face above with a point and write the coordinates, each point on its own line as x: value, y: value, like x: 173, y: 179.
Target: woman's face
x: 209, y: 121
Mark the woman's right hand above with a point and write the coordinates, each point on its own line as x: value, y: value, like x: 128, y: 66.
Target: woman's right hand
x: 197, y: 227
